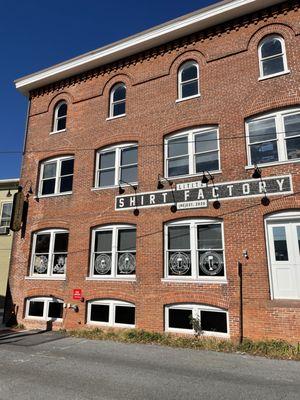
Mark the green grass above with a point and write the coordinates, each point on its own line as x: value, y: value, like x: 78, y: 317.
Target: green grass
x: 279, y: 349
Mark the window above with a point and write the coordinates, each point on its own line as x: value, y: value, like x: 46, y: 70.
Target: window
x: 117, y: 100
x: 115, y: 164
x: 111, y: 313
x: 213, y: 321
x: 60, y: 117
x: 272, y: 56
x: 188, y: 80
x: 192, y: 152
x: 44, y: 308
x: 5, y: 214
x: 194, y: 250
x: 114, y: 250
x: 49, y: 253
x: 274, y: 137
x: 56, y: 176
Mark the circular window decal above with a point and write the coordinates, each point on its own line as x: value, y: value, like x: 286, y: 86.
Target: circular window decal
x: 179, y: 263
x: 211, y: 263
x: 126, y: 263
x: 41, y: 264
x: 102, y: 264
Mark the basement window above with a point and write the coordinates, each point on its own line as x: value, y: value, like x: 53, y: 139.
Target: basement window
x: 111, y: 313
x: 44, y: 308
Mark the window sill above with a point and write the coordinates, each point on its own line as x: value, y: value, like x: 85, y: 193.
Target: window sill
x: 45, y: 278
x: 222, y: 281
x: 284, y: 303
x: 192, y: 332
x: 125, y: 326
x: 273, y: 164
x: 197, y: 175
x: 110, y: 279
x: 28, y: 318
x: 262, y: 78
x: 60, y: 131
x: 52, y: 195
x: 188, y: 98
x: 94, y: 189
x: 116, y: 117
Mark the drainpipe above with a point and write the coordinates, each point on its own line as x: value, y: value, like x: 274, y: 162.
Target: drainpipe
x: 240, y: 273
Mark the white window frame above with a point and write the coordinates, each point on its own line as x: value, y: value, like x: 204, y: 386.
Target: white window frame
x: 187, y: 64
x: 114, y: 253
x: 191, y: 150
x: 112, y: 312
x: 280, y: 136
x: 49, y: 274
x: 112, y: 102
x: 196, y: 310
x: 47, y: 301
x: 56, y: 118
x: 261, y: 59
x: 118, y: 152
x: 194, y: 277
x: 58, y: 176
x: 1, y: 213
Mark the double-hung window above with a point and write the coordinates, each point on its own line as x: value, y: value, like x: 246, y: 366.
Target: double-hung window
x: 49, y: 254
x: 111, y: 313
x: 117, y: 165
x: 114, y: 252
x: 60, y: 117
x: 274, y: 137
x: 117, y: 101
x: 194, y: 249
x: 192, y: 152
x: 56, y: 176
x: 44, y: 308
x: 272, y: 57
x: 5, y: 216
x: 188, y: 80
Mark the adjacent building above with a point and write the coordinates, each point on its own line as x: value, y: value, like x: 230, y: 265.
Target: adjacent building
x: 165, y: 171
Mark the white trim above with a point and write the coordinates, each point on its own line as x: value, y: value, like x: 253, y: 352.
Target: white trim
x: 2, y: 203
x: 116, y: 117
x: 60, y: 131
x: 216, y: 281
x: 187, y: 98
x: 47, y: 278
x: 112, y: 304
x: 46, y: 300
x: 282, y: 54
x: 113, y: 102
x: 180, y: 83
x: 263, y: 78
x: 56, y: 118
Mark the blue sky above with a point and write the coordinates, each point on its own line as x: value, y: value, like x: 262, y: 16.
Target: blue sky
x: 36, y: 34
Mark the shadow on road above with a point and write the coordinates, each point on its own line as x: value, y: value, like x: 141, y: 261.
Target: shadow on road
x: 29, y: 338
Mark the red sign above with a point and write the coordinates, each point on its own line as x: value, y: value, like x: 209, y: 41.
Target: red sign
x: 77, y: 294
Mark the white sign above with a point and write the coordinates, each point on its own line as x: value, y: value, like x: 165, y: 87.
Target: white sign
x: 192, y: 204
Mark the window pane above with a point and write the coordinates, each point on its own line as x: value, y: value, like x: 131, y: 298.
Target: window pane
x: 49, y: 170
x: 48, y: 186
x: 126, y: 263
x: 293, y: 148
x: 189, y: 72
x: 206, y: 141
x: 179, y: 166
x: 107, y: 160
x: 66, y: 184
x: 180, y: 263
x: 213, y: 321
x: 99, y: 312
x: 62, y: 110
x: 103, y: 241
x: 179, y: 237
x: 67, y: 167
x: 264, y: 152
x: 292, y: 125
x: 119, y: 109
x: 207, y: 162
x: 271, y: 47
x: 107, y: 178
x: 129, y: 156
x: 119, y: 93
x: 125, y: 315
x: 178, y: 147
x: 189, y: 89
x: 211, y: 263
x: 61, y: 242
x: 36, y: 308
x: 180, y: 319
x: 6, y: 210
x: 209, y: 237
x: 61, y: 123
x: 42, y: 243
x: 280, y: 244
x: 40, y: 264
x: 129, y: 174
x: 126, y: 240
x: 55, y: 309
x: 273, y: 66
x: 102, y: 263
x: 262, y: 130
x: 59, y: 264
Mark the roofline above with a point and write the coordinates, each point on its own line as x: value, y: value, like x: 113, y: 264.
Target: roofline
x: 190, y: 23
x: 13, y: 182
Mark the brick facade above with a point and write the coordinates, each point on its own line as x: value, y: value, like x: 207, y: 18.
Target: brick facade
x: 230, y: 93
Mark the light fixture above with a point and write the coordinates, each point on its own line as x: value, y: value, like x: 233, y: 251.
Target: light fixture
x: 216, y: 204
x: 265, y: 201
x: 121, y: 190
x: 136, y: 212
x: 161, y: 178
x: 256, y: 173
x: 173, y: 208
x: 204, y: 179
x: 9, y: 193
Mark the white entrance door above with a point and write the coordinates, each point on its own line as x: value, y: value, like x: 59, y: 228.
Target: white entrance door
x: 284, y: 258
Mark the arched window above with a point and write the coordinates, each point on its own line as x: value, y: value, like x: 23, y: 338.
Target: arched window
x: 111, y: 313
x: 272, y: 56
x: 60, y: 117
x: 117, y: 100
x: 44, y: 308
x: 188, y: 80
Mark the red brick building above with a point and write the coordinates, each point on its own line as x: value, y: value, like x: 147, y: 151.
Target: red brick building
x: 165, y: 170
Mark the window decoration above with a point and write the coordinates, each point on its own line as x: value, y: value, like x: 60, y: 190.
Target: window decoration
x: 114, y: 252
x: 56, y: 176
x: 60, y: 117
x: 49, y: 253
x: 5, y: 214
x: 192, y: 152
x: 44, y: 308
x: 188, y: 80
x: 118, y: 100
x: 111, y: 313
x: 115, y: 164
x: 272, y: 56
x: 274, y: 137
x: 194, y: 250
x: 212, y: 320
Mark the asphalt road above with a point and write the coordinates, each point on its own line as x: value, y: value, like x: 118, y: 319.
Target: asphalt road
x: 42, y: 366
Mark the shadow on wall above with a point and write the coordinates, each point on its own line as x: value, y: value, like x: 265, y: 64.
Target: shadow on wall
x: 2, y: 303
x: 10, y: 309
